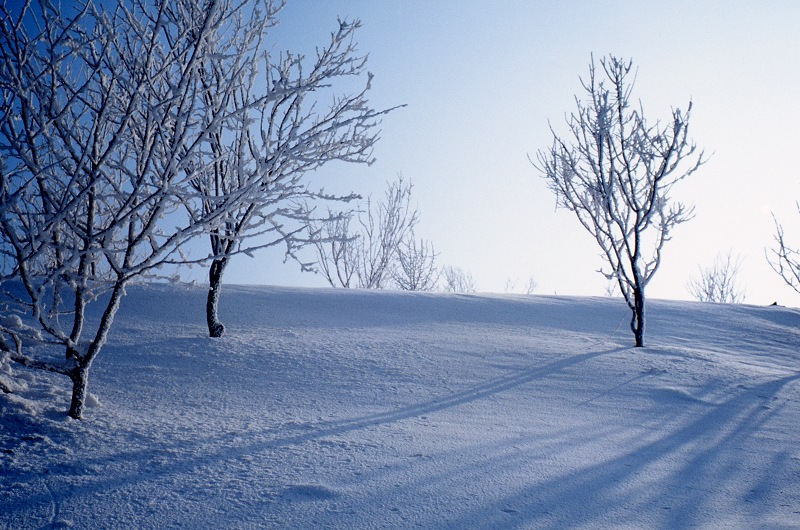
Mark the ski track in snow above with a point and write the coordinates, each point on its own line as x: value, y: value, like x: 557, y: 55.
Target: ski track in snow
x: 373, y: 409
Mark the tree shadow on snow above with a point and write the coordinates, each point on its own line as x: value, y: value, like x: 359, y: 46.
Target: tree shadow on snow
x: 700, y: 446
x: 148, y: 464
x: 706, y: 463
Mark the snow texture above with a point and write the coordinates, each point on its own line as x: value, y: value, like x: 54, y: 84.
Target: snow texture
x: 376, y: 409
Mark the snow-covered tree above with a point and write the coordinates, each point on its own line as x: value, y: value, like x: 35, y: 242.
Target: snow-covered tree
x: 361, y: 249
x: 718, y: 283
x: 415, y: 265
x: 284, y: 119
x: 382, y: 229
x: 615, y: 171
x: 101, y: 110
x: 337, y: 250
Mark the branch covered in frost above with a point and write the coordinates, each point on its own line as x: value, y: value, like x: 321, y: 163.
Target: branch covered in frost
x: 785, y: 260
x: 416, y: 268
x: 718, y: 283
x: 615, y: 171
x: 361, y: 249
x: 273, y: 118
x: 458, y: 281
x: 103, y: 116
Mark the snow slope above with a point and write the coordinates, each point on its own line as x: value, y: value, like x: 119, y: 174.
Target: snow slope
x: 374, y: 409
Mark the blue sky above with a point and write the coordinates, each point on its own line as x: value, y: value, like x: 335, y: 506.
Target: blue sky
x: 481, y: 80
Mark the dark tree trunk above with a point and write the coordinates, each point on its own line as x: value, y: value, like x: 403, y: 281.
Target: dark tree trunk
x: 80, y: 380
x: 215, y: 327
x: 637, y: 323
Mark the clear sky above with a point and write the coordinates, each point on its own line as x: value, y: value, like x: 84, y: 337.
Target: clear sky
x: 482, y: 80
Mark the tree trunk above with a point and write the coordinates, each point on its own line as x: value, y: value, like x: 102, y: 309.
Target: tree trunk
x: 80, y: 380
x: 638, y: 316
x: 215, y: 327
x: 80, y: 363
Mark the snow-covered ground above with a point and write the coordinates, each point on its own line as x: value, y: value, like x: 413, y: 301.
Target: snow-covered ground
x: 374, y: 409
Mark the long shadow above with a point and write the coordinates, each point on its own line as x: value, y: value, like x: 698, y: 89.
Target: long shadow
x: 459, y: 398
x: 224, y: 451
x: 600, y: 494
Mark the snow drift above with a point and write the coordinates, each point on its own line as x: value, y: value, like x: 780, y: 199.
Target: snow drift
x: 375, y: 409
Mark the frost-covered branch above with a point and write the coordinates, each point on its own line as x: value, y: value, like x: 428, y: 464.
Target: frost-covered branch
x: 103, y: 112
x: 383, y: 226
x: 416, y: 268
x: 785, y: 260
x: 280, y: 117
x: 458, y: 281
x: 369, y: 247
x: 337, y: 249
x: 615, y: 172
x: 718, y: 283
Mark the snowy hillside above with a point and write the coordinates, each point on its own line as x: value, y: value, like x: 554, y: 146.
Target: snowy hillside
x: 352, y: 409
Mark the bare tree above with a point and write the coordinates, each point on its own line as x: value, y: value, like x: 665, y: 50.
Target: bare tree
x: 360, y: 249
x: 280, y: 127
x: 101, y: 111
x: 718, y: 283
x: 529, y: 288
x: 415, y: 268
x: 381, y: 229
x: 458, y: 281
x: 337, y: 250
x: 785, y: 260
x: 615, y: 172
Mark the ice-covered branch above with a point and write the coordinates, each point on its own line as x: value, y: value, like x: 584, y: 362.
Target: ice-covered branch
x: 103, y: 126
x: 274, y: 120
x: 615, y: 172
